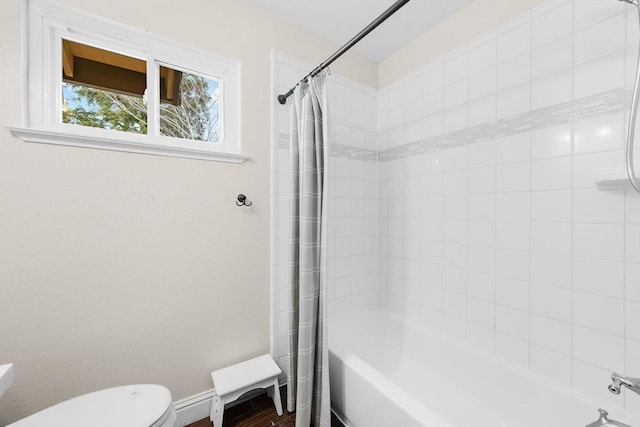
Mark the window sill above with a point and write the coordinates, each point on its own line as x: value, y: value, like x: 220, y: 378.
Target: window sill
x: 119, y: 141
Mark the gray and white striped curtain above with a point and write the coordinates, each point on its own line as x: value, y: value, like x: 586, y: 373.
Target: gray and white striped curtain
x: 308, y: 378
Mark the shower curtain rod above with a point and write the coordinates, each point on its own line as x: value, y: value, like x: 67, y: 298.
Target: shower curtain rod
x: 379, y: 20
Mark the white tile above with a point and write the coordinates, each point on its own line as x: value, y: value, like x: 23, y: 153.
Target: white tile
x: 551, y: 174
x: 481, y: 206
x: 594, y: 206
x: 453, y: 326
x: 481, y: 110
x: 481, y: 180
x: 588, y: 76
x: 481, y: 337
x: 454, y: 304
x: 601, y: 133
x: 482, y: 55
x: 551, y: 364
x: 600, y: 39
x: 598, y: 312
x: 455, y: 182
x: 481, y: 259
x: 454, y: 255
x: 483, y: 84
x: 455, y: 94
x: 433, y: 103
x: 589, y: 168
x: 551, y: 269
x: 599, y: 277
x: 512, y: 322
x: 512, y: 349
x: 454, y: 279
x: 432, y: 162
x: 551, y: 206
x: 552, y: 23
x: 481, y: 312
x: 512, y: 177
x: 514, y: 72
x: 632, y: 362
x: 512, y: 293
x: 433, y: 125
x: 590, y: 12
x: 512, y: 264
x: 632, y: 278
x: 455, y: 66
x: 551, y: 301
x: 598, y: 348
x: 454, y: 231
x: 551, y: 237
x: 454, y: 159
x: 454, y: 119
x: 632, y: 243
x: 632, y: 320
x: 481, y: 233
x: 632, y: 208
x: 552, y: 57
x: 512, y: 206
x: 551, y: 334
x: 481, y: 285
x: 514, y: 40
x: 483, y: 154
x: 512, y: 148
x: 432, y: 297
x: 602, y: 241
x: 551, y: 142
x: 432, y: 185
x: 512, y: 235
x: 515, y: 100
x: 454, y: 207
x: 432, y: 79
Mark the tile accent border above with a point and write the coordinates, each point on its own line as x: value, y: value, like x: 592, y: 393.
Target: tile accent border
x: 605, y: 103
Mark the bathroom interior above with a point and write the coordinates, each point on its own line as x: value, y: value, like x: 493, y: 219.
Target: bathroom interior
x: 482, y: 235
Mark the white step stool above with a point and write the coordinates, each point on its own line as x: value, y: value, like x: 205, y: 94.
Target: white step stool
x: 232, y: 382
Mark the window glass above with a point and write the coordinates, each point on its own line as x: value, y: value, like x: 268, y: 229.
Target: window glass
x: 189, y: 106
x: 103, y: 89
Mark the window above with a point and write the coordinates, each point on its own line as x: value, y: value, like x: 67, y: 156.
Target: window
x: 98, y: 84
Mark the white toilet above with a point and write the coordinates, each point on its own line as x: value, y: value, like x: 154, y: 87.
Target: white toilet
x: 142, y: 405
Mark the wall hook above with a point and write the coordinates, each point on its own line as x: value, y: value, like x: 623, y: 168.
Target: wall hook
x: 242, y: 200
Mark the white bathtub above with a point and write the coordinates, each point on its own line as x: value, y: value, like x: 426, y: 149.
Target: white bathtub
x: 390, y: 372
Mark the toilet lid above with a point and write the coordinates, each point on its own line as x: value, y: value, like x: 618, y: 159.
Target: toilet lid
x: 142, y: 405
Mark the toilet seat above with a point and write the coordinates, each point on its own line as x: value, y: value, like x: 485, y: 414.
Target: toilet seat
x: 141, y: 405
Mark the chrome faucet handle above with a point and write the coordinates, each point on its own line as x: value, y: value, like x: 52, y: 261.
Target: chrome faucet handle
x: 603, y: 421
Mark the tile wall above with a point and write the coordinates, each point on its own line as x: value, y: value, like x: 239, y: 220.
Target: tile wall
x: 490, y: 225
x: 480, y: 217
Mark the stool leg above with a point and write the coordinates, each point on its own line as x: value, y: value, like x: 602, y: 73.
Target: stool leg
x: 217, y: 411
x: 276, y: 396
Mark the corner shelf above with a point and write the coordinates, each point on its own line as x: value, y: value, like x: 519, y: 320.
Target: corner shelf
x: 613, y: 182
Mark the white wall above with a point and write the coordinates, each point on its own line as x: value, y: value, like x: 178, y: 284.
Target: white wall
x: 492, y: 230
x: 119, y: 268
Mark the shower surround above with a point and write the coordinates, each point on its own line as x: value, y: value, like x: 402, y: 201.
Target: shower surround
x: 463, y: 196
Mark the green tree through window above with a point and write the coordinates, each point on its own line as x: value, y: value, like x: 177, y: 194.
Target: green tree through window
x: 195, y: 116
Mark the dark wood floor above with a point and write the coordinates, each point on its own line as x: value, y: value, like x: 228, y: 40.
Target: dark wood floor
x: 259, y: 412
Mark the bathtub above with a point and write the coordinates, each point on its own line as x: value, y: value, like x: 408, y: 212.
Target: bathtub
x: 387, y: 371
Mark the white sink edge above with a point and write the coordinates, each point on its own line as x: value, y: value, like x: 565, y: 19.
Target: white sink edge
x: 6, y: 377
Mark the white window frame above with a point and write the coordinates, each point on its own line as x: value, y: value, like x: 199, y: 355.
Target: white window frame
x: 46, y: 23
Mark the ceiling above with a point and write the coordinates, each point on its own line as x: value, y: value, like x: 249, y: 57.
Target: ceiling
x: 339, y: 20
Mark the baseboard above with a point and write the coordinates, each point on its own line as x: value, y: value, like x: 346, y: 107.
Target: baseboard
x: 193, y: 408
x: 198, y: 406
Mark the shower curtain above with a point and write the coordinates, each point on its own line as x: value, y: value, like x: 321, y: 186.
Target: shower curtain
x: 308, y: 377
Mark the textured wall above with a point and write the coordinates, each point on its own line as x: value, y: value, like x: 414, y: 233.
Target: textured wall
x: 121, y: 268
